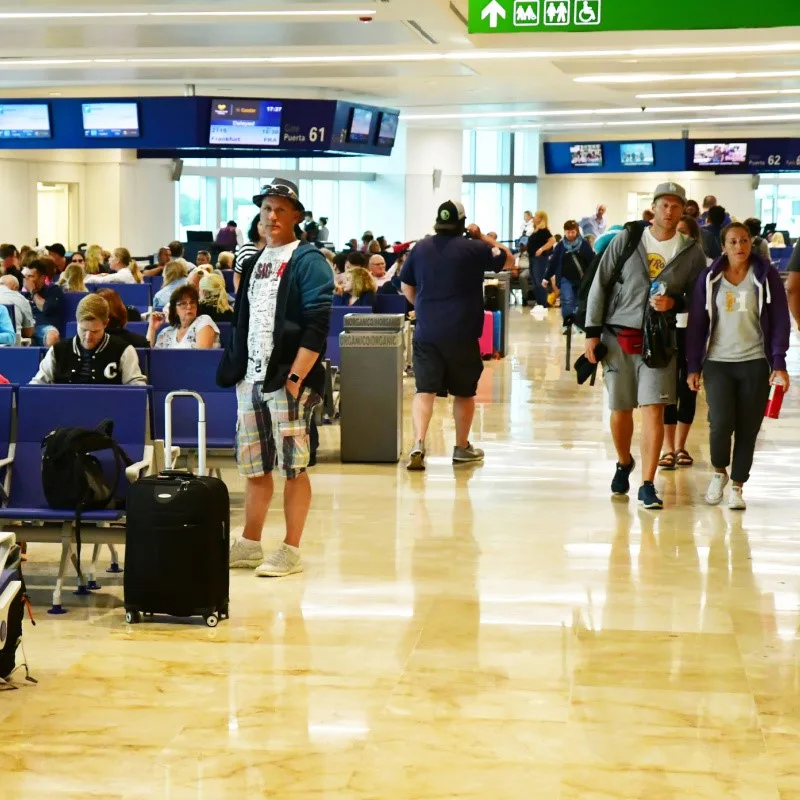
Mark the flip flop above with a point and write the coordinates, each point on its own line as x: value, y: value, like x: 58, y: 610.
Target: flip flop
x: 684, y: 459
x: 667, y: 461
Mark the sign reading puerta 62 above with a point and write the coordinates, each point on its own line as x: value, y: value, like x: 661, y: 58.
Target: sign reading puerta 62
x: 543, y: 16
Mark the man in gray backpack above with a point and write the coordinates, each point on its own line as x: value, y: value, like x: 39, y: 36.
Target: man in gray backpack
x: 669, y: 263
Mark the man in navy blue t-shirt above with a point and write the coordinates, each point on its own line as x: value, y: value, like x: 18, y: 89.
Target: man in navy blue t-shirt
x: 443, y: 279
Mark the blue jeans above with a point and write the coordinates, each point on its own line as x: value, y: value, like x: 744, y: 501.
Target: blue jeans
x: 569, y: 299
x: 40, y: 332
x: 538, y: 269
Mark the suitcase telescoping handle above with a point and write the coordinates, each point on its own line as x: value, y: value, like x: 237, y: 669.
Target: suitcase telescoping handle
x: 201, y: 429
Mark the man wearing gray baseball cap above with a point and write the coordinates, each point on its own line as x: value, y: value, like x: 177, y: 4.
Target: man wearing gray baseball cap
x: 661, y: 272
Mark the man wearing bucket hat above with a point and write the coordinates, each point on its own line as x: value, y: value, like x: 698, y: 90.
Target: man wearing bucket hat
x: 280, y: 325
x: 443, y: 278
x: 668, y: 263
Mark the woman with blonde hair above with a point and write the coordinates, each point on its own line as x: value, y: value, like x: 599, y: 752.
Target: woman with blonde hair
x: 175, y: 275
x: 72, y: 279
x: 225, y: 260
x: 214, y: 298
x: 359, y: 289
x: 94, y: 260
x: 540, y: 244
x: 123, y: 269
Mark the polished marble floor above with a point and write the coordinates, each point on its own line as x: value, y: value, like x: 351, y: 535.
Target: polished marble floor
x: 505, y: 632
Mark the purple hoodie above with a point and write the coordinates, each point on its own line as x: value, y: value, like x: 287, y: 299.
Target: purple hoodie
x: 772, y: 304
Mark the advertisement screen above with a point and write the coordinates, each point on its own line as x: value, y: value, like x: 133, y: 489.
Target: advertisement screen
x: 360, y: 126
x: 387, y: 132
x: 110, y: 120
x: 24, y: 121
x: 720, y: 154
x: 586, y: 155
x: 637, y: 154
x: 246, y: 122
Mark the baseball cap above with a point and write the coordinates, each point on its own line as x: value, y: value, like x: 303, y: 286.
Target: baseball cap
x: 58, y: 249
x: 450, y: 217
x: 280, y: 187
x: 671, y: 189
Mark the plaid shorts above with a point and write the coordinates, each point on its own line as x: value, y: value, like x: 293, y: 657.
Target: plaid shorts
x: 273, y: 425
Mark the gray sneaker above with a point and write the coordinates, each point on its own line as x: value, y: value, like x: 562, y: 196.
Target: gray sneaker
x: 245, y: 554
x: 467, y: 455
x: 284, y: 561
x: 416, y: 458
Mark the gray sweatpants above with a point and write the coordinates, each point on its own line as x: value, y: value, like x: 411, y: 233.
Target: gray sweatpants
x: 737, y: 394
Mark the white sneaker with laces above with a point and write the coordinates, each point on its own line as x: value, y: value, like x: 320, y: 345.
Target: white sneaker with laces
x: 245, y: 554
x: 284, y: 561
x: 735, y: 500
x: 716, y: 488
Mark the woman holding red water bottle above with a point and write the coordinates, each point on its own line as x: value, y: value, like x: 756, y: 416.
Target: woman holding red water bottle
x: 737, y: 339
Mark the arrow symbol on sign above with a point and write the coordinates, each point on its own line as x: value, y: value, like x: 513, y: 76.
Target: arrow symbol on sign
x: 493, y: 11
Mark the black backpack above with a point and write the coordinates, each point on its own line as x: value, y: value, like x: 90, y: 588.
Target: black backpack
x: 635, y: 230
x: 16, y: 611
x: 72, y: 478
x: 659, y: 340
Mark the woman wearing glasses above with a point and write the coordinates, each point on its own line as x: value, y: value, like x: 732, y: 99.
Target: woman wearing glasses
x: 186, y: 330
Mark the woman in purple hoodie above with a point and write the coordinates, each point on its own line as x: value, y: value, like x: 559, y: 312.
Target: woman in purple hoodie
x: 738, y: 338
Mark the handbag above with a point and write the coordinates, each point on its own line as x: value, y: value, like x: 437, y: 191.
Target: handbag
x: 659, y: 342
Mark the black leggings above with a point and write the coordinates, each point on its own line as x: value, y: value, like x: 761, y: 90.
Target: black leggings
x: 686, y: 406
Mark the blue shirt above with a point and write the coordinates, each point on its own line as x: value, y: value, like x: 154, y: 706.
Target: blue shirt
x: 51, y: 312
x: 162, y: 297
x: 591, y: 226
x: 448, y: 272
x: 7, y: 333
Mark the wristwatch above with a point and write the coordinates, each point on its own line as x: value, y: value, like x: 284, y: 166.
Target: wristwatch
x: 294, y: 378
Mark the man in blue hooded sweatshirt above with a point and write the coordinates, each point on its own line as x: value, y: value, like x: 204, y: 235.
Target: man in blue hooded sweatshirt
x: 280, y: 325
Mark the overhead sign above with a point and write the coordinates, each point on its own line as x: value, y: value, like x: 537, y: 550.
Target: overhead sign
x: 543, y: 16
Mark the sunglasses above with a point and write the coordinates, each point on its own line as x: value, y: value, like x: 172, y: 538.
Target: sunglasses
x: 279, y: 190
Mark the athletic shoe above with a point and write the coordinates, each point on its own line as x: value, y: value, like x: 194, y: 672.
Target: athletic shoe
x: 284, y: 561
x: 416, y: 458
x: 564, y: 330
x: 648, y: 497
x: 622, y: 483
x: 467, y: 455
x: 245, y: 554
x: 735, y: 500
x: 715, y: 489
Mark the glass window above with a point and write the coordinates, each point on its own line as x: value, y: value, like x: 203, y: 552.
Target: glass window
x: 468, y: 153
x: 492, y: 153
x: 526, y: 197
x: 488, y: 205
x: 780, y: 203
x: 197, y: 204
x: 526, y: 153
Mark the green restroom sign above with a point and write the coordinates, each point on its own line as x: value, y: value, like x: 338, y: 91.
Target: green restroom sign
x: 541, y: 16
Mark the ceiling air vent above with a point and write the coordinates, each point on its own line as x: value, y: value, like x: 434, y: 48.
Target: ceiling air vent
x: 420, y: 31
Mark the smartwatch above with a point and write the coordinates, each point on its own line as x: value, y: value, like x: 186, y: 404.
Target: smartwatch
x: 294, y: 378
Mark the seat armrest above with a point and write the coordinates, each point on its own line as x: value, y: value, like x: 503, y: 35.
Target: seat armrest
x: 140, y: 468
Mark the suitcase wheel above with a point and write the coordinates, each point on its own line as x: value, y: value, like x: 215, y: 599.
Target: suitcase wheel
x: 212, y: 620
x: 223, y: 612
x: 133, y: 617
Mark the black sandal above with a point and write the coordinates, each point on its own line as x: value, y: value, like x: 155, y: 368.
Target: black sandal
x: 684, y: 459
x: 667, y: 461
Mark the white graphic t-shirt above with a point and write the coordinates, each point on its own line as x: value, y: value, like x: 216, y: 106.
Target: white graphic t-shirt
x: 659, y: 254
x: 265, y: 280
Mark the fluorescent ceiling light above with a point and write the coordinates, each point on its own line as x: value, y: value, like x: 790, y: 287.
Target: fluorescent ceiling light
x: 649, y: 122
x: 725, y: 93
x: 38, y: 15
x: 656, y: 77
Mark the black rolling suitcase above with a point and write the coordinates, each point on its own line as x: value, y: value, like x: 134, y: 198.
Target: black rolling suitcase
x: 178, y: 538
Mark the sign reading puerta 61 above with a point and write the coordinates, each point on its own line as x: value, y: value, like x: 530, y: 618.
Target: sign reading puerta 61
x: 543, y: 16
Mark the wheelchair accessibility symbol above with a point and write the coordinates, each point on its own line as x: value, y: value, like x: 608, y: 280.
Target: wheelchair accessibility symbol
x: 587, y: 12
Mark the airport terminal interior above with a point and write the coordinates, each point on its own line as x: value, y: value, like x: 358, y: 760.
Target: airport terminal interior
x: 495, y: 628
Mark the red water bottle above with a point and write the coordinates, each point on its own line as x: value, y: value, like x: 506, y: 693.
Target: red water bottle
x: 775, y: 401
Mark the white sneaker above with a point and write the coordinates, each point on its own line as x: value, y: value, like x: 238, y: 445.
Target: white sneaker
x: 284, y: 561
x: 735, y: 499
x: 245, y: 554
x: 716, y: 488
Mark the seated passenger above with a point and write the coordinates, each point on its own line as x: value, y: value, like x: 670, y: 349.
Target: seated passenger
x: 377, y: 268
x: 358, y: 289
x: 162, y: 259
x: 175, y: 276
x: 203, y: 258
x: 118, y: 319
x: 186, y: 329
x: 123, y: 269
x: 72, y: 279
x: 93, y: 356
x: 214, y: 300
x: 47, y: 303
x: 777, y: 240
x: 225, y: 260
x: 198, y: 273
x: 11, y: 296
x: 8, y: 334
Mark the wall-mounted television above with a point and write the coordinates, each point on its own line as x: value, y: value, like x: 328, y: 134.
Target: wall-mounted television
x: 636, y: 154
x: 586, y: 155
x: 249, y: 123
x: 24, y: 121
x: 387, y: 130
x: 360, y: 126
x: 110, y: 120
x: 720, y: 154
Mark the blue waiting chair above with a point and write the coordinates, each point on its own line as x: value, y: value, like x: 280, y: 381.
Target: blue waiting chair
x: 156, y: 282
x: 338, y: 313
x: 7, y: 394
x: 41, y: 409
x: 132, y: 294
x: 70, y: 307
x: 12, y: 312
x: 391, y: 304
x: 227, y: 274
x: 192, y: 370
x: 20, y: 364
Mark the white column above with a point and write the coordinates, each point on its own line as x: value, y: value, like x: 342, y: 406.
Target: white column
x: 426, y: 152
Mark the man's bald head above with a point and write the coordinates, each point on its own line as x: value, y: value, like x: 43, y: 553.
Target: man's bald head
x: 11, y: 282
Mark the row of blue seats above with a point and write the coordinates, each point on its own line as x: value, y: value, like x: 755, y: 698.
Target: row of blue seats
x: 157, y: 281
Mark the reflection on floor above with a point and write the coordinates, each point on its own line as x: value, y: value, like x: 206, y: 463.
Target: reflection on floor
x: 506, y: 631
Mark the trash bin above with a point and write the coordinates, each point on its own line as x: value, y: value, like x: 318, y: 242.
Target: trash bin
x: 371, y: 393
x: 504, y: 280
